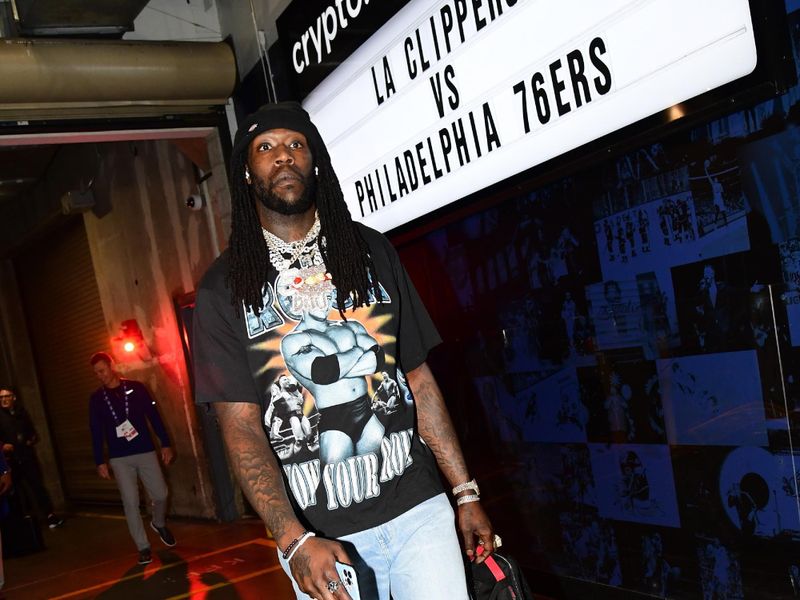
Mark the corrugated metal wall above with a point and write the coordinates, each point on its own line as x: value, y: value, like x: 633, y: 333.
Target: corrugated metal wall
x: 66, y: 325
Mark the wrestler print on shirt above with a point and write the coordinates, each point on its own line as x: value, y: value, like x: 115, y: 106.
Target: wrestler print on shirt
x: 332, y: 359
x: 331, y: 402
x: 291, y: 430
x: 386, y: 399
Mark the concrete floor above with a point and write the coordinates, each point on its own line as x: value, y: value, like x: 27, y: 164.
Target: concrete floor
x: 92, y: 556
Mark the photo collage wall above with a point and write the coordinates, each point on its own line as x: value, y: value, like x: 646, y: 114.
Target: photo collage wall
x: 623, y: 348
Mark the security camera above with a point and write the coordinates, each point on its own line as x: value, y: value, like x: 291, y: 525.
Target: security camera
x: 194, y: 202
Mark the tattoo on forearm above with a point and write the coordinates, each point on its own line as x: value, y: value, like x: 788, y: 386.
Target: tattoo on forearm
x: 255, y: 465
x: 435, y: 425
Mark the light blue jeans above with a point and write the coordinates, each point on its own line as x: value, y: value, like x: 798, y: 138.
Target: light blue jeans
x: 415, y: 556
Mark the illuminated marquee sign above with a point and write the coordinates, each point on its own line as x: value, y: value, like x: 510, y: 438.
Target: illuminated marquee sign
x: 451, y: 96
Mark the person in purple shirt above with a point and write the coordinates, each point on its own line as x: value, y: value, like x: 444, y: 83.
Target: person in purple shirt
x: 119, y: 411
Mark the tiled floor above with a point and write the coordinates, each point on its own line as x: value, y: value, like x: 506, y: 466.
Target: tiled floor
x: 92, y: 556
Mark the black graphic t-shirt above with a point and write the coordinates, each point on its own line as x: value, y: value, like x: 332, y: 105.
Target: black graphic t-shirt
x: 334, y: 399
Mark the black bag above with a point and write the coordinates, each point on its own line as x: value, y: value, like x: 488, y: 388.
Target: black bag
x: 21, y: 535
x: 498, y: 578
x: 21, y: 532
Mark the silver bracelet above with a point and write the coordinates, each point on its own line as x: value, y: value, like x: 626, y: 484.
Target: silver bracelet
x: 469, y: 498
x: 469, y: 485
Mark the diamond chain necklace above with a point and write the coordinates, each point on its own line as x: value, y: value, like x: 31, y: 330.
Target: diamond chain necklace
x: 283, y: 255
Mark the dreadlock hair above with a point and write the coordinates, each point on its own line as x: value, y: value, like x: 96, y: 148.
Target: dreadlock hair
x: 249, y: 264
x: 345, y: 252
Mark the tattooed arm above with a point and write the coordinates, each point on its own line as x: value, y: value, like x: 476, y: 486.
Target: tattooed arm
x: 259, y: 475
x: 436, y: 428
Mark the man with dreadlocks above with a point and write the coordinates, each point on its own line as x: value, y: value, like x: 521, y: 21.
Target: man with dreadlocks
x: 304, y: 292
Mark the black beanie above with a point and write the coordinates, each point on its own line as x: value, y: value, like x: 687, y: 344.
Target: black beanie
x: 279, y: 115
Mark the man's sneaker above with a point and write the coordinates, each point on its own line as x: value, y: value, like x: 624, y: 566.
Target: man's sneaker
x: 164, y: 533
x: 145, y: 558
x: 54, y: 521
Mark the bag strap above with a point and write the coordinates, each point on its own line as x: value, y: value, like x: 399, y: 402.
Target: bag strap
x: 494, y: 568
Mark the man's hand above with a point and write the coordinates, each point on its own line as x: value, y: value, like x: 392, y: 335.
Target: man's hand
x: 167, y: 455
x: 102, y: 471
x: 5, y: 483
x: 314, y: 565
x: 474, y: 524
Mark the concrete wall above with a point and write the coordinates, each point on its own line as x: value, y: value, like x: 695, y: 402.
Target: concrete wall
x: 148, y: 250
x: 189, y: 21
x: 236, y: 20
x: 212, y: 20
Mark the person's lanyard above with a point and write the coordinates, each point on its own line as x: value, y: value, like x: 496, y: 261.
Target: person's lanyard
x: 108, y: 401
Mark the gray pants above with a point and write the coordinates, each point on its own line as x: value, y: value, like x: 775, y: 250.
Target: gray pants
x: 147, y: 468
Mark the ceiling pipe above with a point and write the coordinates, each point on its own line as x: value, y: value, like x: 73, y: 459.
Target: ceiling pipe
x: 68, y: 77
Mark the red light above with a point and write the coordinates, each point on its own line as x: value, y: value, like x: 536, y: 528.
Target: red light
x: 129, y: 345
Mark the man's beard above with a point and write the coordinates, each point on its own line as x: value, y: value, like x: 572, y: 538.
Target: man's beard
x: 275, y: 203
